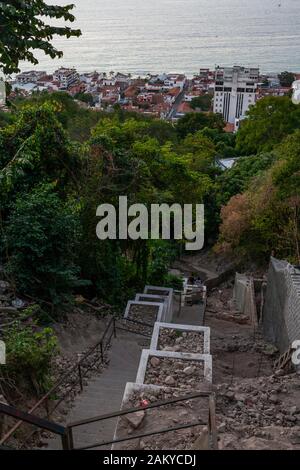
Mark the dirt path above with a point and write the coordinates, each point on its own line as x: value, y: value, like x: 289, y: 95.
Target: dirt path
x: 257, y: 408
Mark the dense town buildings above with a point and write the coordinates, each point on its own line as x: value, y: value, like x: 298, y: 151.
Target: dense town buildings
x: 167, y: 96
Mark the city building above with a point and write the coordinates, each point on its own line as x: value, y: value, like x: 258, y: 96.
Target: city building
x: 2, y: 92
x: 31, y: 76
x: 235, y: 92
x: 66, y: 77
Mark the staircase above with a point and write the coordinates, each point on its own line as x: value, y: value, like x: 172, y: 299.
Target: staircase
x: 104, y: 393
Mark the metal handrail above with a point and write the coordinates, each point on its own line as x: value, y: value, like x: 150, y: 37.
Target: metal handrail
x: 143, y: 323
x: 32, y: 419
x: 147, y: 325
x: 145, y: 434
x: 76, y: 368
x: 127, y: 411
x: 66, y: 432
x: 41, y: 423
x: 211, y: 424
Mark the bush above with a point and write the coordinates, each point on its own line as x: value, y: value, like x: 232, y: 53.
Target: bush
x: 175, y: 282
x: 41, y: 236
x: 29, y: 355
x: 162, y: 254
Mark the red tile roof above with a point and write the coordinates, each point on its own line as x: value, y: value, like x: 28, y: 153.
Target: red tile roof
x: 229, y: 127
x: 185, y: 108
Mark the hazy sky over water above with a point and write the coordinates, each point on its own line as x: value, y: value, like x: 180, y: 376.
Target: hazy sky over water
x: 140, y: 36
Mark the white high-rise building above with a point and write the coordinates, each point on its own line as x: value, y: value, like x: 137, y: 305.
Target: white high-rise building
x: 2, y: 90
x: 235, y: 91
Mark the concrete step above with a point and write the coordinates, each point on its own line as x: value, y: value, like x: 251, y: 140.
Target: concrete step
x: 104, y: 393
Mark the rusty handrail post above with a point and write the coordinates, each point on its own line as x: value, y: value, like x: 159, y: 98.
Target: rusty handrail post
x: 212, y: 422
x: 80, y: 377
x: 67, y: 439
x: 114, y: 327
x: 101, y: 352
x: 47, y: 408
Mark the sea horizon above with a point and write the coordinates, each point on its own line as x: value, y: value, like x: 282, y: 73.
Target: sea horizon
x: 179, y: 36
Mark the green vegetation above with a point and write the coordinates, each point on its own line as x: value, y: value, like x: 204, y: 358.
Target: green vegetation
x: 60, y: 161
x: 51, y: 186
x: 85, y: 98
x: 263, y: 215
x: 267, y: 124
x: 30, y: 351
x: 193, y: 122
x: 286, y: 79
x: 24, y: 30
x: 41, y: 236
x: 203, y: 102
x: 238, y: 178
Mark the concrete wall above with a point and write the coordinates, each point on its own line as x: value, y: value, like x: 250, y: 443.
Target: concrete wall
x: 154, y: 298
x: 184, y: 328
x: 206, y: 359
x: 281, y: 313
x: 165, y: 292
x: 244, y: 296
x: 145, y: 310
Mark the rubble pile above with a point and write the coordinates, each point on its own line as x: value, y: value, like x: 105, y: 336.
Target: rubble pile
x: 246, y: 409
x: 174, y: 372
x: 264, y: 401
x: 143, y: 313
x: 183, y: 341
x: 184, y: 412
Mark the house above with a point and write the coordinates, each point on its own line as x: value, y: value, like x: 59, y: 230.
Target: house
x: 276, y: 91
x: 226, y: 163
x: 79, y: 87
x: 131, y: 92
x: 2, y: 93
x: 183, y: 109
x: 230, y: 128
x: 31, y: 76
x: 172, y: 94
x: 144, y: 97
x: 66, y: 77
x: 109, y: 95
x: 175, y: 81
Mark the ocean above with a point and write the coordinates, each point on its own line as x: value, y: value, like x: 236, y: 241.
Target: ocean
x: 141, y: 36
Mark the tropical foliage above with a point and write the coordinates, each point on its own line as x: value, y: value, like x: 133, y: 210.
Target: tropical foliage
x: 24, y: 30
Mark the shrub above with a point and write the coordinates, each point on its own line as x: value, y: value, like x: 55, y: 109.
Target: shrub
x: 173, y: 281
x: 29, y: 355
x: 41, y: 235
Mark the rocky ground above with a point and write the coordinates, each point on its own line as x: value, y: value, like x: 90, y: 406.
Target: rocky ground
x: 188, y: 411
x: 143, y: 313
x: 257, y: 407
x: 183, y: 341
x: 146, y: 314
x: 262, y: 412
x: 173, y: 372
